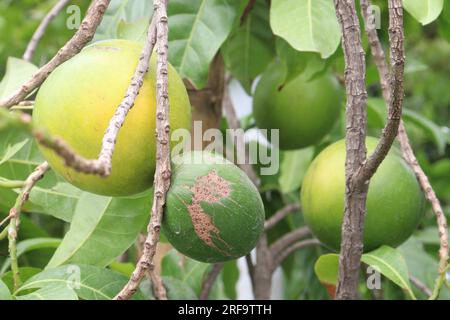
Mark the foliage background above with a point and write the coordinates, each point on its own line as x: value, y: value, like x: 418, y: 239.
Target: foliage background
x: 54, y: 204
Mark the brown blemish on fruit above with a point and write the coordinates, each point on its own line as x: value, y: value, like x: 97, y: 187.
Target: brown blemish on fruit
x: 211, y: 188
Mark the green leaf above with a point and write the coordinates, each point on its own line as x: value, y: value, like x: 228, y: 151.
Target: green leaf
x: 295, y: 61
x: 424, y: 11
x: 230, y: 277
x: 102, y: 228
x: 429, y: 235
x: 435, y: 132
x: 391, y: 264
x: 293, y: 168
x: 89, y: 282
x: 25, y: 274
x: 54, y: 197
x: 197, y: 29
x: 56, y: 291
x: 17, y: 73
x: 190, y: 272
x: 11, y: 150
x: 377, y: 116
x: 4, y: 291
x: 178, y: 290
x: 327, y: 269
x: 250, y: 47
x: 308, y: 25
x: 119, y: 12
x: 30, y: 245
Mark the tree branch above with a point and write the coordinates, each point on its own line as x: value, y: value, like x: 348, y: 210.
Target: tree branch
x: 31, y: 47
x: 14, y: 214
x: 420, y: 285
x: 356, y: 118
x: 84, y: 34
x: 247, y: 10
x: 280, y: 215
x: 407, y: 151
x: 209, y: 281
x: 163, y: 171
x: 289, y: 238
x: 278, y: 260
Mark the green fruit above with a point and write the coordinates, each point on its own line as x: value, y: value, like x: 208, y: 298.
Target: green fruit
x: 395, y: 202
x: 304, y: 111
x: 79, y: 98
x: 214, y: 212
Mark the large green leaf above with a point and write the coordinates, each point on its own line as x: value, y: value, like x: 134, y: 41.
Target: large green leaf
x: 424, y: 11
x: 308, y: 25
x: 391, y: 264
x: 52, y: 195
x: 119, y: 12
x: 89, y: 282
x: 197, y: 29
x: 102, y: 228
x: 4, y: 291
x: 55, y: 291
x: 17, y: 73
x: 190, y: 272
x: 293, y: 168
x: 250, y: 47
x: 30, y: 245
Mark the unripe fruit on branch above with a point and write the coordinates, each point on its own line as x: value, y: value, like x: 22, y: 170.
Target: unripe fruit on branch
x: 79, y: 98
x: 304, y: 111
x: 395, y: 202
x: 213, y: 212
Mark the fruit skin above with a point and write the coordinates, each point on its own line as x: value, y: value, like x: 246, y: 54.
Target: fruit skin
x: 214, y: 212
x: 395, y: 202
x: 304, y: 111
x: 79, y: 98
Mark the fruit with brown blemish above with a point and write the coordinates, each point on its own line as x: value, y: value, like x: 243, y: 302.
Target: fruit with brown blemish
x: 214, y: 212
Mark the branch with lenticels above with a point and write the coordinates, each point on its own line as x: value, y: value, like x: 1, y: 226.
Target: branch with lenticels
x: 407, y: 151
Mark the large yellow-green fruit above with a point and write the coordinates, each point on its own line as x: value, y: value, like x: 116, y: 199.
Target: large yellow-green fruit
x: 304, y: 111
x: 79, y: 98
x: 395, y: 202
x: 213, y: 212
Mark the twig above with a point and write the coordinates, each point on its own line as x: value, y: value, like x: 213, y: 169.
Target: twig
x: 10, y: 184
x: 84, y: 34
x: 280, y: 215
x: 395, y: 104
x: 209, y: 281
x: 251, y: 268
x: 159, y: 290
x: 356, y: 119
x: 247, y: 10
x: 163, y: 171
x: 31, y: 47
x: 14, y: 213
x: 278, y: 260
x: 407, y: 151
x: 289, y: 238
x: 420, y: 285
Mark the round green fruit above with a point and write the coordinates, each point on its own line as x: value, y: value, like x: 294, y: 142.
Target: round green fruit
x: 304, y: 111
x: 395, y: 202
x: 79, y: 98
x: 214, y: 212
